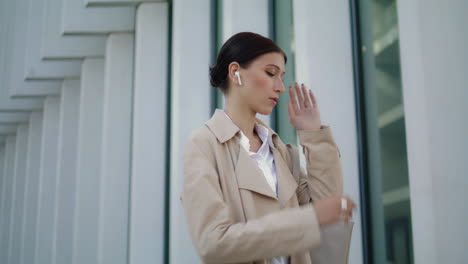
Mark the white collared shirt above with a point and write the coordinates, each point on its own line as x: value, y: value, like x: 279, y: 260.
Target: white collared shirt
x: 263, y: 157
x: 266, y: 163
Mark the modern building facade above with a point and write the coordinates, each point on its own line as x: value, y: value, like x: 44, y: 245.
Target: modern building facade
x: 98, y: 97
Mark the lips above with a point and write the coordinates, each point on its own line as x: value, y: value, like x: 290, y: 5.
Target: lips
x: 275, y: 99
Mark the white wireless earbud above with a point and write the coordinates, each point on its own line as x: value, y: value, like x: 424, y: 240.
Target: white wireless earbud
x: 238, y: 77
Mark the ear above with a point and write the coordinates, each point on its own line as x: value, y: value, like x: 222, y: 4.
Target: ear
x: 232, y: 68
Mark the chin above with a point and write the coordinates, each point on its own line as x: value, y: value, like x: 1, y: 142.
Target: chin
x: 265, y: 111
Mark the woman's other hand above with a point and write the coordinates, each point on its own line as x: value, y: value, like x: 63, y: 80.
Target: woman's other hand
x: 329, y: 210
x: 304, y: 113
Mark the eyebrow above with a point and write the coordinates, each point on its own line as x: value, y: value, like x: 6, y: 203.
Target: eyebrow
x: 276, y: 66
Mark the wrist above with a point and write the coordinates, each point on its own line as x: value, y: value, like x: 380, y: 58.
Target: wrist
x: 310, y: 128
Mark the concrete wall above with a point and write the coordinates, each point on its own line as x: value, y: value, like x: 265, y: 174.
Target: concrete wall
x: 102, y: 96
x: 434, y: 65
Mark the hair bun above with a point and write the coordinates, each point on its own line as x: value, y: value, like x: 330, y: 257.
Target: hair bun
x: 242, y: 48
x: 215, y: 76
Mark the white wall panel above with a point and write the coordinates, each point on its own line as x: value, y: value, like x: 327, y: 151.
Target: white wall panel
x: 246, y: 15
x: 17, y: 56
x: 434, y: 63
x: 190, y: 107
x: 16, y: 227
x: 322, y: 54
x: 6, y: 31
x: 116, y: 142
x: 7, y: 129
x: 7, y: 194
x: 18, y: 104
x: 14, y: 117
x: 66, y: 170
x: 118, y: 2
x: 149, y: 135
x: 2, y: 178
x: 35, y: 67
x: 77, y: 18
x: 2, y: 174
x: 47, y: 182
x: 86, y: 231
x: 32, y: 188
x: 55, y: 45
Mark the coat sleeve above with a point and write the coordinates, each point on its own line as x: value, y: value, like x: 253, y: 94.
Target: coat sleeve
x: 324, y: 175
x: 220, y: 240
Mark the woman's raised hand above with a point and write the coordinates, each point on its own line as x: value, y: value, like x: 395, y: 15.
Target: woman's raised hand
x: 304, y: 113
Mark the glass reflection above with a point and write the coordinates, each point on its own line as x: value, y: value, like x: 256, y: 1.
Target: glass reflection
x: 390, y: 214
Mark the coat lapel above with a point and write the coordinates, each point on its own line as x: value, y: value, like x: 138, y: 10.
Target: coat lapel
x: 286, y: 184
x: 250, y: 177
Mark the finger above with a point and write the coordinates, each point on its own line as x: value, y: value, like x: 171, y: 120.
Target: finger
x: 350, y: 203
x: 300, y: 98
x: 290, y: 110
x: 351, y: 208
x: 306, y: 96
x: 345, y: 218
x: 350, y: 212
x: 292, y: 96
x: 314, y: 100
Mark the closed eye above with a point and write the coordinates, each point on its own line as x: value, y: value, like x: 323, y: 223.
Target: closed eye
x: 270, y: 74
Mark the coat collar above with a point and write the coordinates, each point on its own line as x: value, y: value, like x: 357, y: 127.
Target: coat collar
x: 287, y: 185
x: 251, y: 178
x: 248, y: 174
x: 224, y: 129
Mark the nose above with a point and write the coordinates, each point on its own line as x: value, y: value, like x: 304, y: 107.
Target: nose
x: 279, y: 86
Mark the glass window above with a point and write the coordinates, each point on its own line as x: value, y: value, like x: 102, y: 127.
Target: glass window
x: 282, y: 25
x: 217, y: 29
x: 385, y: 168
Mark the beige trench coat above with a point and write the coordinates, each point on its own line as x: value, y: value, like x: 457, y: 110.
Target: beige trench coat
x: 232, y: 213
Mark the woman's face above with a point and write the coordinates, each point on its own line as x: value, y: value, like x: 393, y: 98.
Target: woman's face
x: 262, y: 82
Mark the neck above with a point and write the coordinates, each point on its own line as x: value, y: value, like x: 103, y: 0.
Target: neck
x: 241, y: 115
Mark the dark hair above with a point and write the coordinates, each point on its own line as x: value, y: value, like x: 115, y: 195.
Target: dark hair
x: 242, y: 48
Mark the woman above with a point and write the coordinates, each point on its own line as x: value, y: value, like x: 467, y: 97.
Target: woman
x: 242, y: 203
